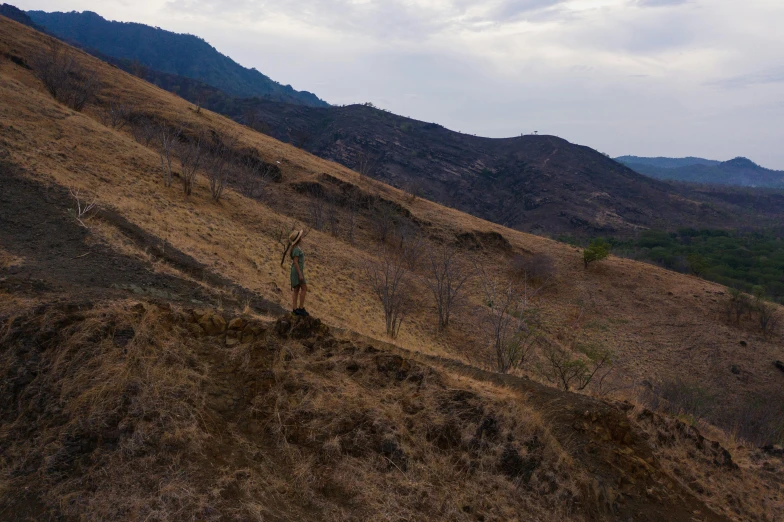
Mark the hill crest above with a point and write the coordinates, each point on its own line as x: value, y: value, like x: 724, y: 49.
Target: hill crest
x: 166, y: 51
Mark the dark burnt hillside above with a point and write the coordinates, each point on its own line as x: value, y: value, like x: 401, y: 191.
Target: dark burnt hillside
x: 540, y: 184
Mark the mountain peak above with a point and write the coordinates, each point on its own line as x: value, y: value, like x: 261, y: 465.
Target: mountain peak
x: 741, y: 163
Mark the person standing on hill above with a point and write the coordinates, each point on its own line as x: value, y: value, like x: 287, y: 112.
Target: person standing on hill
x: 299, y: 287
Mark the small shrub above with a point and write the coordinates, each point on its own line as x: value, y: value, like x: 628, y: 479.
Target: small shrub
x: 570, y: 370
x: 598, y: 250
x: 768, y: 316
x: 538, y: 267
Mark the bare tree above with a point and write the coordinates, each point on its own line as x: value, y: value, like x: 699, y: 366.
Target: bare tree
x: 511, y: 316
x: 219, y: 163
x: 191, y: 154
x: 68, y: 81
x: 139, y: 70
x: 332, y: 212
x: 390, y: 283
x: 117, y: 114
x: 446, y: 276
x: 83, y: 209
x: 253, y: 176
x: 200, y: 96
x: 737, y: 305
x: 383, y: 218
x: 143, y: 130
x: 768, y: 316
x: 412, y: 245
x: 352, y: 207
x: 316, y: 206
x: 537, y: 267
x: 167, y: 140
x: 565, y: 370
x: 366, y: 165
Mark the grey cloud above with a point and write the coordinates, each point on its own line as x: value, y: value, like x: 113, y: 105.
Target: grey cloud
x: 774, y: 75
x: 381, y: 19
x: 660, y: 3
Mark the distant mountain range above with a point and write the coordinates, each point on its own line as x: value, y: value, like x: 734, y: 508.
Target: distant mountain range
x: 168, y: 52
x: 739, y: 171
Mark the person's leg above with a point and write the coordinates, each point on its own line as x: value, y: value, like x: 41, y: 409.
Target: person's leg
x: 294, y: 293
x: 302, y: 293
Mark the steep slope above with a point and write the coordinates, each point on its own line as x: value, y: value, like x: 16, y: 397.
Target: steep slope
x: 741, y: 172
x: 168, y: 52
x: 539, y: 184
x: 119, y: 346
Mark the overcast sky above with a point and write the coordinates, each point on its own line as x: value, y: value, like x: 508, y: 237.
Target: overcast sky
x: 643, y: 77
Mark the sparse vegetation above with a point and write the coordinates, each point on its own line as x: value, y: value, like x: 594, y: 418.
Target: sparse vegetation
x: 598, y: 250
x: 536, y: 267
x: 83, y: 209
x: 168, y: 138
x: 253, y: 176
x: 511, y: 318
x: 117, y: 114
x: 292, y: 423
x: 446, y: 276
x: 190, y: 152
x: 219, y: 163
x: 391, y: 283
x: 576, y: 368
x: 67, y: 80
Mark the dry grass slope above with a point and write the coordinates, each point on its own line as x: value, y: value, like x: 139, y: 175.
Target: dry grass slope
x: 184, y: 411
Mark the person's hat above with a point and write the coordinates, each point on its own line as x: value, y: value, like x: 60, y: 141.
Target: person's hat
x: 294, y: 237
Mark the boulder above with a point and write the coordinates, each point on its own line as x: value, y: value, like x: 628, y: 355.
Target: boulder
x: 238, y: 323
x: 212, y: 323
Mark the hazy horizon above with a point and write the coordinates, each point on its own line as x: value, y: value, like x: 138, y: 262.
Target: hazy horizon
x: 671, y: 78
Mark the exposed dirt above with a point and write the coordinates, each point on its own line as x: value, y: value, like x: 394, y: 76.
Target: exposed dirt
x: 263, y: 409
x: 629, y: 483
x: 38, y: 225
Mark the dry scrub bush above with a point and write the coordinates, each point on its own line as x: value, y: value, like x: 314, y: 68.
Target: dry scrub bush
x: 168, y: 137
x: 511, y: 317
x: 537, y: 267
x: 575, y: 368
x: 738, y: 305
x: 768, y: 317
x: 190, y: 152
x: 220, y: 162
x: 391, y: 283
x: 383, y: 219
x: 446, y: 277
x: 253, y: 176
x: 68, y: 81
x: 117, y: 114
x: 143, y: 129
